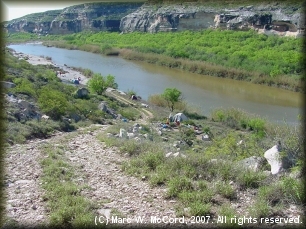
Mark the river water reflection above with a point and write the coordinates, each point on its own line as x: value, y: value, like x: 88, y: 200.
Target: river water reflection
x: 204, y: 92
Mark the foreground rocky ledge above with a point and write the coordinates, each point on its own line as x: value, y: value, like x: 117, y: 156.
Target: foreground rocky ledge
x: 110, y: 189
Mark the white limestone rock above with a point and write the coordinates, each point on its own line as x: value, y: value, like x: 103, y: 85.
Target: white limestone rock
x: 274, y: 159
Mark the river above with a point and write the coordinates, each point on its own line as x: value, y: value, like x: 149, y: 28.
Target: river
x: 204, y: 92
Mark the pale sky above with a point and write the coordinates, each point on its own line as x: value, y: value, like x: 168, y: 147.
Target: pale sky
x: 12, y: 9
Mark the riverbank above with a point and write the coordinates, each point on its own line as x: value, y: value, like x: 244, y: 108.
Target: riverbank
x: 205, y: 68
x: 65, y: 74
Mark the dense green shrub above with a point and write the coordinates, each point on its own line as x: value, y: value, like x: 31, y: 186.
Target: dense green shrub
x: 99, y: 83
x: 240, y: 49
x: 53, y: 103
x: 172, y: 96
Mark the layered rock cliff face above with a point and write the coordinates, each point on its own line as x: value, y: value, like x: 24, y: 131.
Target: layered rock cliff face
x: 88, y: 16
x: 265, y: 18
x: 272, y: 18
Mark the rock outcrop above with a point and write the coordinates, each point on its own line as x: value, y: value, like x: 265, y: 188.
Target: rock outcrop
x: 104, y: 16
x: 267, y: 18
x: 270, y: 18
x: 274, y: 158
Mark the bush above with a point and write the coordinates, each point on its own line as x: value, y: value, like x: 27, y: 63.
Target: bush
x: 225, y: 189
x: 157, y: 100
x: 152, y: 160
x: 98, y: 83
x: 177, y: 185
x: 130, y: 113
x: 250, y: 179
x: 24, y: 86
x: 257, y: 125
x: 200, y: 209
x: 53, y: 103
x: 260, y: 209
x: 293, y: 190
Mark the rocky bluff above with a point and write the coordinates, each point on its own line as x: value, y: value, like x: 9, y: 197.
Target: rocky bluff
x: 268, y: 18
x: 265, y: 18
x: 104, y: 16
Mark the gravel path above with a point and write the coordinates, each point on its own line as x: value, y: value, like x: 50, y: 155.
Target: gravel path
x: 96, y: 166
x: 24, y: 196
x: 100, y: 169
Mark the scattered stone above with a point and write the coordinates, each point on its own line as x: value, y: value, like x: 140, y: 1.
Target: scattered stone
x: 123, y: 133
x: 254, y: 163
x: 8, y: 84
x: 274, y: 159
x: 106, y: 212
x: 130, y: 135
x: 205, y: 137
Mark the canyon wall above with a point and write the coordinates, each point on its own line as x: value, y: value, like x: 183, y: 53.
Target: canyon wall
x: 272, y: 18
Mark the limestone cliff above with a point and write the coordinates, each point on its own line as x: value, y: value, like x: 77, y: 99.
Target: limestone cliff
x: 270, y: 18
x: 104, y: 16
x: 265, y: 18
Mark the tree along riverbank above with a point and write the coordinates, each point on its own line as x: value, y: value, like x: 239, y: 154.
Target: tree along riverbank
x: 240, y: 55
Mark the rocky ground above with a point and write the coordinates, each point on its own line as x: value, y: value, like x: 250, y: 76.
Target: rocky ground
x: 98, y: 167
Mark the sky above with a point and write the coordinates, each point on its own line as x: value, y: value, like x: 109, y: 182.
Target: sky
x: 11, y: 9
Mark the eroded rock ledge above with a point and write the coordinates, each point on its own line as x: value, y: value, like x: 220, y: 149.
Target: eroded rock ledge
x: 263, y: 18
x: 272, y: 18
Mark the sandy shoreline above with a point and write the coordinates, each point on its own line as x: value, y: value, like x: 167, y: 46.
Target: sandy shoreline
x: 69, y: 73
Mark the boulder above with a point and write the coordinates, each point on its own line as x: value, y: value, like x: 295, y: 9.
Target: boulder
x: 253, y: 163
x: 103, y: 107
x: 8, y: 84
x: 135, y: 129
x: 109, y: 89
x: 26, y: 111
x: 109, y: 135
x: 205, y: 137
x: 82, y: 93
x: 130, y: 135
x: 75, y: 117
x: 123, y: 133
x: 178, y: 154
x: 274, y: 159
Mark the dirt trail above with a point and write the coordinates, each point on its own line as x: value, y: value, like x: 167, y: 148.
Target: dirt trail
x: 96, y: 165
x: 145, y: 113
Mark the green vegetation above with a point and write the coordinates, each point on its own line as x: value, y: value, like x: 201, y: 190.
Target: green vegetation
x: 172, y: 96
x: 66, y: 206
x: 98, y: 84
x: 40, y: 86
